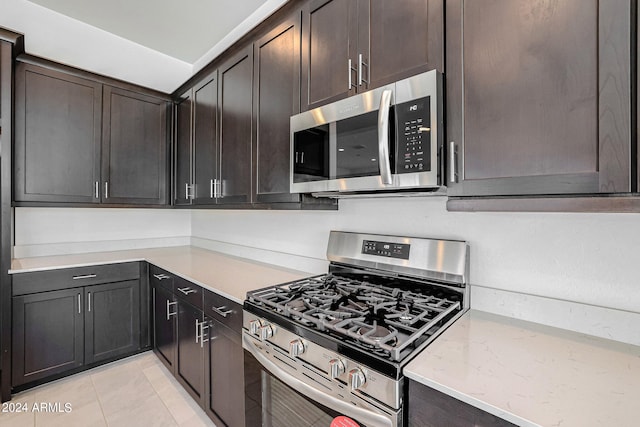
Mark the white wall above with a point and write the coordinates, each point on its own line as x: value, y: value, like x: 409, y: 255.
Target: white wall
x: 54, y: 231
x: 576, y: 271
x: 62, y: 39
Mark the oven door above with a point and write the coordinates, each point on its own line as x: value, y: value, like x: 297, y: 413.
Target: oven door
x: 276, y: 395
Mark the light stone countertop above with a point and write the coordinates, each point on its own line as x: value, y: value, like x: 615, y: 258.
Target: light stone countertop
x: 531, y: 374
x: 227, y: 275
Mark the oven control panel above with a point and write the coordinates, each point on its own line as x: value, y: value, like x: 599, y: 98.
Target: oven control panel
x: 306, y: 360
x: 386, y: 249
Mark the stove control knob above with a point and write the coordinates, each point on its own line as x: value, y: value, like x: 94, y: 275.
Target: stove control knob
x: 296, y: 348
x: 254, y: 327
x: 266, y: 332
x: 336, y: 368
x: 356, y: 378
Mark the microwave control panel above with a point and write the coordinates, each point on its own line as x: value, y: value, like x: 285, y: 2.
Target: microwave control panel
x: 413, y: 147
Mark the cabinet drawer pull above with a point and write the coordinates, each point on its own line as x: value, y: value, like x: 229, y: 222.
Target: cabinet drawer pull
x: 79, y: 304
x: 161, y: 276
x: 222, y: 311
x: 106, y: 189
x: 187, y: 290
x: 169, y: 314
x: 97, y: 189
x: 89, y: 302
x: 85, y: 276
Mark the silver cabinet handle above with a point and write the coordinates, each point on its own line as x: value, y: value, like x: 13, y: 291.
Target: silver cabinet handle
x: 203, y: 326
x: 169, y: 314
x: 89, y: 302
x: 97, y: 189
x: 361, y: 63
x: 187, y: 290
x: 296, y: 162
x: 200, y: 327
x: 161, y: 276
x: 106, y: 189
x: 84, y: 276
x: 222, y: 311
x: 383, y: 137
x: 351, y: 70
x: 302, y: 158
x: 211, y: 190
x: 453, y: 172
x: 79, y: 304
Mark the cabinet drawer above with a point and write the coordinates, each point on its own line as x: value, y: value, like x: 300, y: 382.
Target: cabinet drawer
x: 224, y: 310
x: 188, y: 292
x: 50, y: 280
x: 160, y: 277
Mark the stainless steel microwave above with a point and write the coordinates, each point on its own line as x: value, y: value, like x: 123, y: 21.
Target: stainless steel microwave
x: 386, y: 139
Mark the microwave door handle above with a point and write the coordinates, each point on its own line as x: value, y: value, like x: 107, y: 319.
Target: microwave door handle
x: 383, y: 137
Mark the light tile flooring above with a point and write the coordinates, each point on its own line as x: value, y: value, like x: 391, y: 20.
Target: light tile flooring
x: 137, y: 391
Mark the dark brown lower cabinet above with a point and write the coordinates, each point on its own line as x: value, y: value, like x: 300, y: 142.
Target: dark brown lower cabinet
x: 48, y: 334
x: 190, y: 352
x: 112, y: 320
x: 164, y: 326
x: 57, y: 331
x: 224, y: 366
x: 430, y: 408
x: 197, y: 335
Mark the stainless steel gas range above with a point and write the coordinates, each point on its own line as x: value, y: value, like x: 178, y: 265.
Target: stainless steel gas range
x: 333, y: 346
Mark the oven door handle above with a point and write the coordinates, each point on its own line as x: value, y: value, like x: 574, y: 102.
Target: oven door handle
x: 383, y: 137
x: 364, y: 416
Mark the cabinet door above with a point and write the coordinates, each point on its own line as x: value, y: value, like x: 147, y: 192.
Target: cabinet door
x: 430, y: 408
x: 538, y: 96
x: 205, y: 138
x: 190, y: 355
x: 398, y: 39
x: 57, y: 137
x: 112, y: 320
x: 225, y: 375
x: 236, y: 103
x: 277, y: 98
x: 47, y: 334
x: 183, y: 152
x: 329, y: 37
x: 134, y: 154
x: 164, y: 326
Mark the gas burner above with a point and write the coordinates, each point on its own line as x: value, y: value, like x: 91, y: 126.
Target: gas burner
x: 376, y: 333
x: 384, y: 316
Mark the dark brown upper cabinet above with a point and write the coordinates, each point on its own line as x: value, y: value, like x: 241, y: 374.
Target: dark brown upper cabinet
x: 205, y: 140
x: 79, y: 140
x: 276, y: 99
x: 134, y: 148
x: 57, y: 137
x: 538, y: 97
x: 182, y: 151
x: 236, y: 107
x: 197, y: 144
x: 351, y: 46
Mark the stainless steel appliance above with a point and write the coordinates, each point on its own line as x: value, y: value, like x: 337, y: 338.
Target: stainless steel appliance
x: 335, y: 344
x: 387, y: 139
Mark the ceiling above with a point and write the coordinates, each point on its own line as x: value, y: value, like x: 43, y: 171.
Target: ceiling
x: 182, y: 29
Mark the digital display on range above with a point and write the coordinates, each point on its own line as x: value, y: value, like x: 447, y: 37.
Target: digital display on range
x: 386, y: 249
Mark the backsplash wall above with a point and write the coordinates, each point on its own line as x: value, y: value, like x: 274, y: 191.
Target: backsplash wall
x: 54, y: 231
x: 576, y: 271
